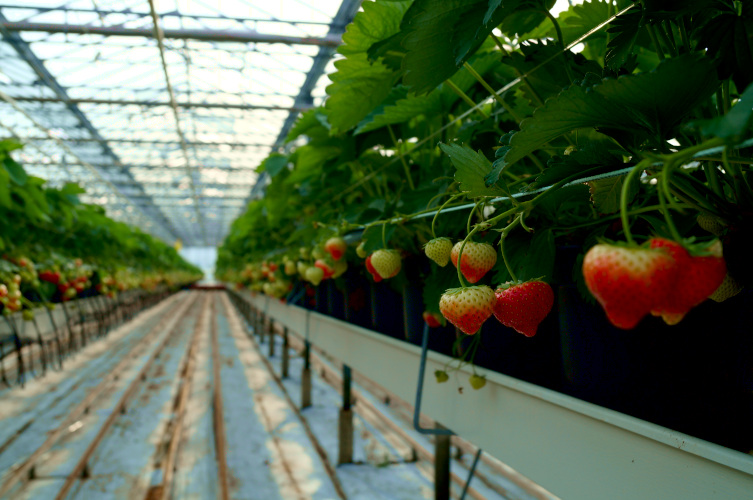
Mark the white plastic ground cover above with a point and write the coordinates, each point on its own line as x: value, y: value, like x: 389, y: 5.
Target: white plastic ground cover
x: 572, y: 448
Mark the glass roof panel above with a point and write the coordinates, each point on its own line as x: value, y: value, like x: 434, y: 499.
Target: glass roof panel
x: 84, y: 86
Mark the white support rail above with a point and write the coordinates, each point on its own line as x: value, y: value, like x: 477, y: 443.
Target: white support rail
x: 574, y: 449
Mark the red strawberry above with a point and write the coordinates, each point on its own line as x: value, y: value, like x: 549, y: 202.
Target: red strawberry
x: 336, y: 247
x: 386, y: 263
x: 478, y: 259
x: 372, y: 271
x: 325, y: 267
x: 628, y: 282
x: 522, y: 306
x: 434, y: 320
x: 467, y: 308
x: 698, y: 277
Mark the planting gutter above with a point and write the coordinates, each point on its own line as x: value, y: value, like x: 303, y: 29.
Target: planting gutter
x: 573, y: 448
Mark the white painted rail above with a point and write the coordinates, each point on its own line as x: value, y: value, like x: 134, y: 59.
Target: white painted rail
x: 574, y: 449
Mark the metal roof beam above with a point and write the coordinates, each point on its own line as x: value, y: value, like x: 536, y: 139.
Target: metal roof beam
x: 24, y: 51
x: 118, y: 102
x: 159, y: 35
x: 106, y: 12
x: 345, y: 14
x: 250, y: 36
x: 224, y: 168
x: 197, y: 144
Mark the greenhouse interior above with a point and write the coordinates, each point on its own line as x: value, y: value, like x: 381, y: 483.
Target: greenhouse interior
x: 376, y: 249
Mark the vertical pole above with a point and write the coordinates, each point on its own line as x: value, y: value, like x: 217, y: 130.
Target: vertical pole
x: 306, y: 376
x: 271, y: 333
x: 285, y: 352
x: 441, y: 466
x: 345, y: 422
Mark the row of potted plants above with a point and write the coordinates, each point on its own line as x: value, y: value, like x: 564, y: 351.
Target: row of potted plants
x: 611, y: 185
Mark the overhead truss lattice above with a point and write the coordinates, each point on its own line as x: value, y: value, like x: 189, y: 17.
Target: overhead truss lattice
x: 162, y: 109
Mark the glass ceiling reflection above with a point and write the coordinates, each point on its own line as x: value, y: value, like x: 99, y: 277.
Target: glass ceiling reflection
x: 84, y: 87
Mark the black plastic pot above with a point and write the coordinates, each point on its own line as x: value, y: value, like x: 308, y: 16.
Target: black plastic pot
x: 386, y: 310
x: 357, y: 299
x: 335, y: 300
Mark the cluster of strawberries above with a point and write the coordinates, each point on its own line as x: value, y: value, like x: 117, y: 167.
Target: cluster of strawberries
x: 663, y: 278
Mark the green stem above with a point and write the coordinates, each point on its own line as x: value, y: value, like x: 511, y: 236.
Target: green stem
x: 657, y: 47
x: 684, y: 34
x: 624, y: 198
x: 667, y: 217
x: 712, y: 178
x: 384, y: 235
x: 434, y: 220
x: 402, y: 158
x: 666, y: 39
x: 562, y: 44
x: 725, y: 94
x: 491, y: 91
x: 465, y: 97
x: 505, y: 232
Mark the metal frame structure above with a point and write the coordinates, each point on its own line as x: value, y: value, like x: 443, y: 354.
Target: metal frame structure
x: 162, y: 111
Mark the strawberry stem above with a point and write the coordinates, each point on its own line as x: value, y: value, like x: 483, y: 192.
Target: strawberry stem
x: 384, y: 235
x: 505, y: 232
x: 434, y: 220
x: 670, y: 223
x: 402, y: 158
x: 624, y: 198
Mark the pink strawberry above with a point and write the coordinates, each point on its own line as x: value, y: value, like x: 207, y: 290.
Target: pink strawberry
x: 467, y: 308
x: 478, y: 259
x: 326, y: 267
x: 372, y: 271
x: 386, y: 263
x: 434, y: 320
x: 698, y: 277
x: 522, y: 306
x: 628, y: 282
x: 336, y: 247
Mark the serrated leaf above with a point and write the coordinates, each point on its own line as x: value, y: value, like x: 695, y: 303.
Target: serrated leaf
x: 625, y: 31
x: 274, y: 164
x: 471, y: 169
x: 8, y: 145
x: 310, y: 124
x: 592, y: 153
x: 606, y: 193
x: 376, y: 22
x: 736, y: 122
x: 643, y: 106
x: 547, y: 80
x: 4, y: 188
x: 400, y: 107
x: 440, y: 35
x: 359, y: 85
x: 15, y: 171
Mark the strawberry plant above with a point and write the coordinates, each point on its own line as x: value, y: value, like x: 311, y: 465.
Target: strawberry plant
x: 605, y: 149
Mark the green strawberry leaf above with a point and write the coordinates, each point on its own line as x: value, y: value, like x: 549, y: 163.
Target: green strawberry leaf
x: 471, y: 168
x: 313, y: 123
x: 635, y: 107
x: 736, y: 123
x: 606, y: 193
x: 359, y: 85
x: 273, y: 164
x: 530, y: 256
x: 440, y: 35
x: 5, y: 188
x: 15, y: 171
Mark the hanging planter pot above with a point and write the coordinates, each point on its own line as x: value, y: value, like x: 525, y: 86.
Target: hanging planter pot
x: 335, y: 300
x: 357, y: 299
x: 386, y: 310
